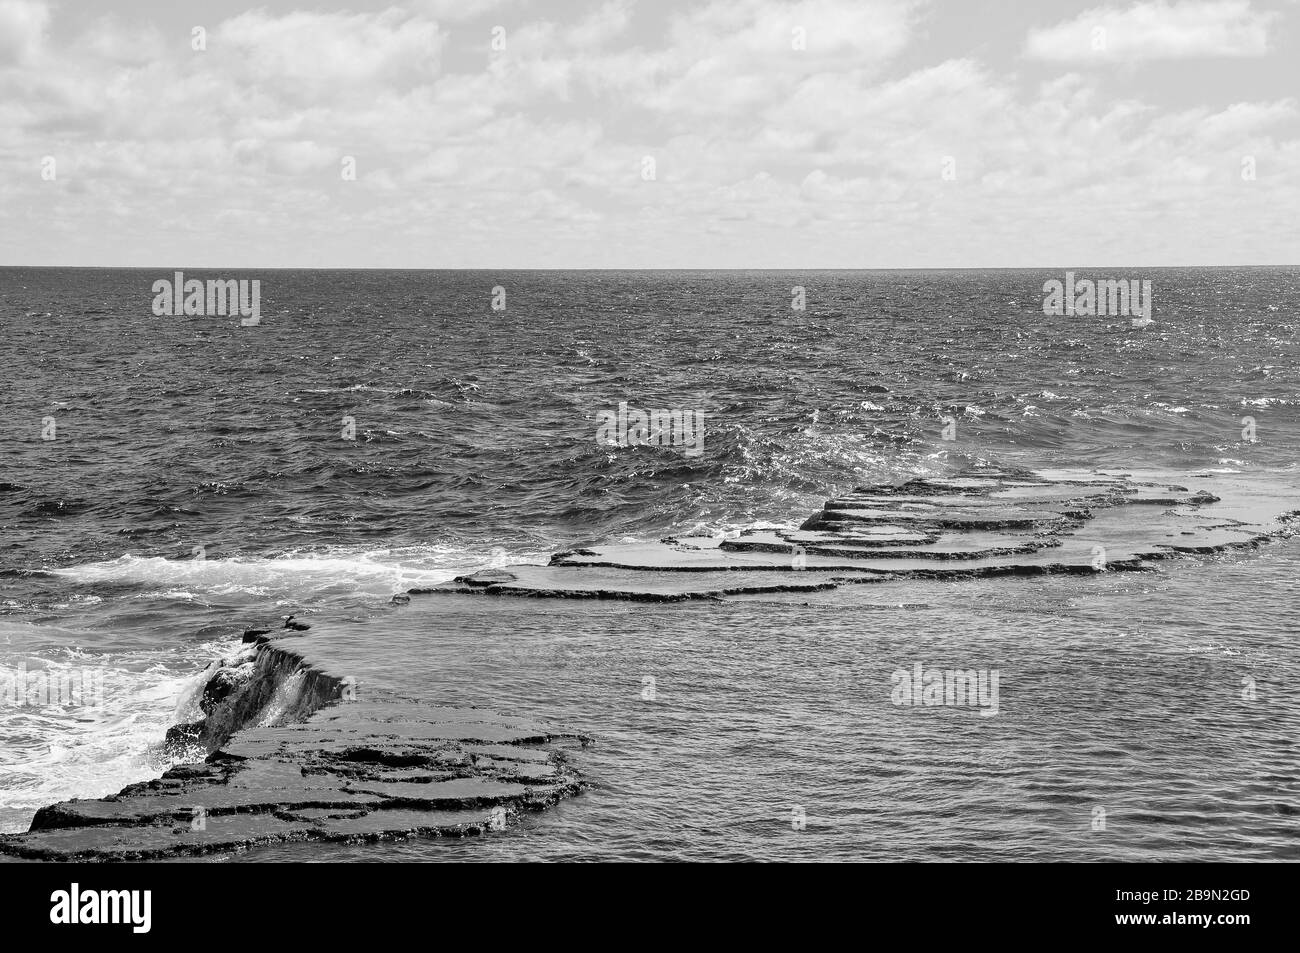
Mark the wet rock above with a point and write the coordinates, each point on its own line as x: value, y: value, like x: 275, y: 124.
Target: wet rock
x: 487, y: 577
x: 223, y: 684
x: 988, y: 523
x: 182, y: 740
x: 336, y: 771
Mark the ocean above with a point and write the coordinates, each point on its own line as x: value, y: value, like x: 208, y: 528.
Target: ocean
x: 168, y: 481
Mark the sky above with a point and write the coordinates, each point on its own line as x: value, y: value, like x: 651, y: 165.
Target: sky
x: 649, y: 133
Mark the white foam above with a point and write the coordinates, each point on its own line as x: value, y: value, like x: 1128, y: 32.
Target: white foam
x: 49, y: 753
x: 93, y: 726
x: 380, y: 572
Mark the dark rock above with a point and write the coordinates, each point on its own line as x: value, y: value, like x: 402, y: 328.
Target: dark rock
x: 182, y: 739
x: 222, y: 684
x: 486, y: 577
x: 319, y: 771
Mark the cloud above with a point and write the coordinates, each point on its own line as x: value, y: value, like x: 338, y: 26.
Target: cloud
x: 452, y: 10
x: 731, y: 56
x: 805, y: 132
x: 316, y: 54
x: 1155, y: 31
x: 603, y: 25
x: 22, y: 30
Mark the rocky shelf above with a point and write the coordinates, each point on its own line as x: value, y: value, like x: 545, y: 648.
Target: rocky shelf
x: 298, y: 753
x: 993, y: 522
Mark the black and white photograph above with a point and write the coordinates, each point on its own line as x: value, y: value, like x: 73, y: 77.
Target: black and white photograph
x: 669, y: 431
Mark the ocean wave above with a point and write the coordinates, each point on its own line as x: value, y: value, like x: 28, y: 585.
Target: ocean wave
x: 80, y: 723
x: 380, y: 572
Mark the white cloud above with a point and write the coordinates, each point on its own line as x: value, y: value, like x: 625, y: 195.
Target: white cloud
x: 600, y: 27
x: 735, y: 55
x: 320, y: 53
x: 1155, y: 31
x: 766, y: 155
x: 22, y: 30
x: 451, y: 10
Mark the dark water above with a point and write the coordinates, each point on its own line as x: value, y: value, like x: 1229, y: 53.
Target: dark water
x: 475, y: 442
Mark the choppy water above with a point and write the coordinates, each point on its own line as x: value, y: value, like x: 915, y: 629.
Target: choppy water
x: 475, y: 443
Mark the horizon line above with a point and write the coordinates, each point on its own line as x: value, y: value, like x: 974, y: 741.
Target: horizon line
x: 636, y: 269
